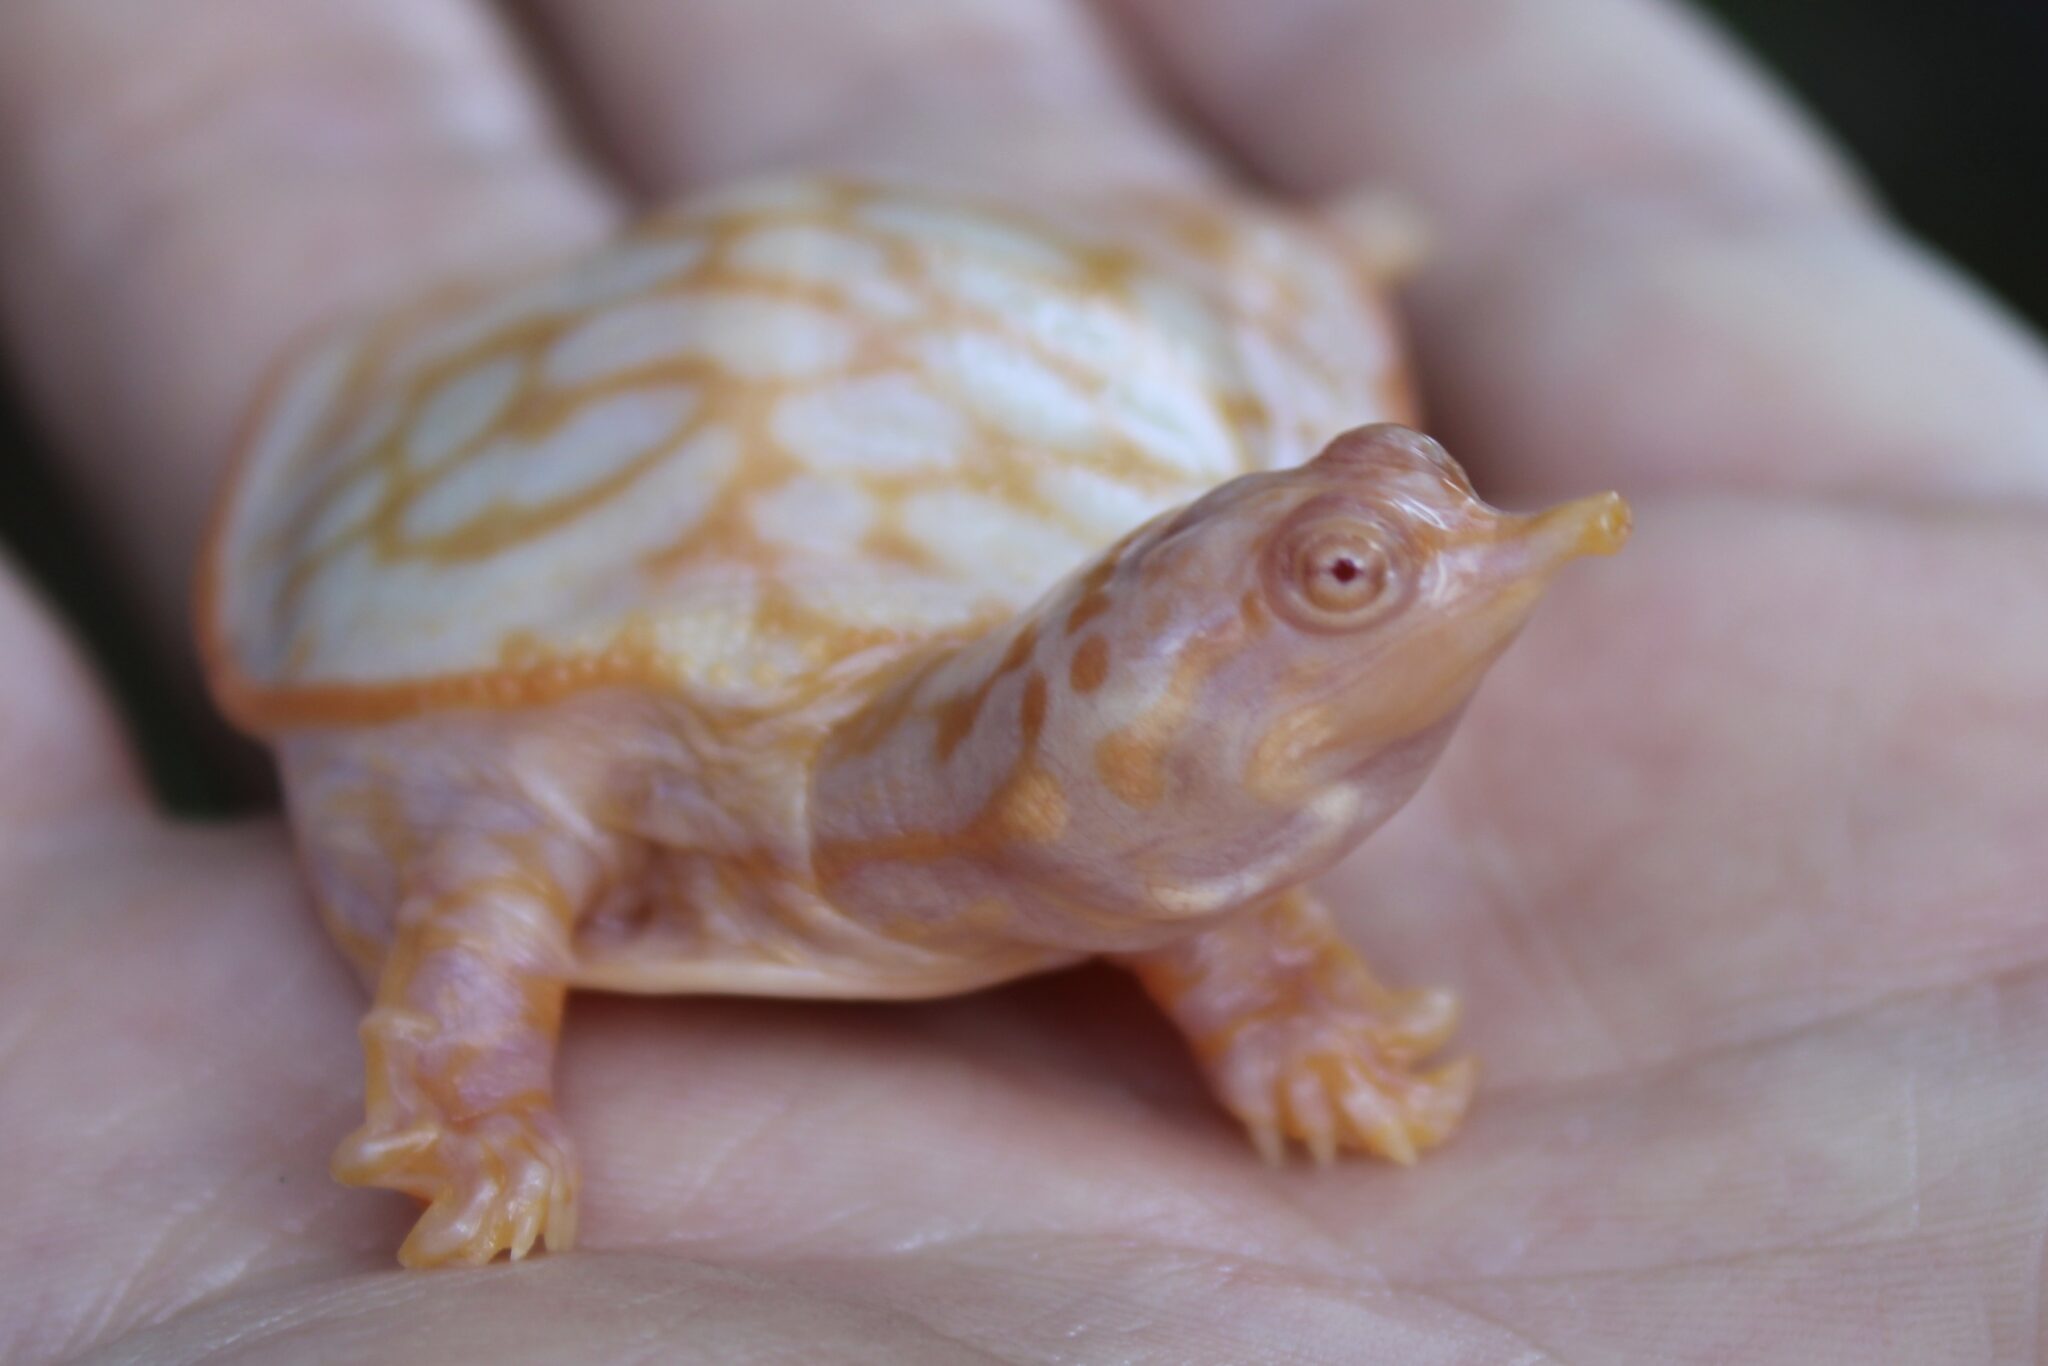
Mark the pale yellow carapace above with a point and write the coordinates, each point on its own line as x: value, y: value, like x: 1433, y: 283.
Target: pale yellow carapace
x: 843, y: 589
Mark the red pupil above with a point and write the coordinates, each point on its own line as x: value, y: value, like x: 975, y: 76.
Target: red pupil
x: 1344, y: 570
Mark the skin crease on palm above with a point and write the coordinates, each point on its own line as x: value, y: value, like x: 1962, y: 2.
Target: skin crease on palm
x: 1736, y: 859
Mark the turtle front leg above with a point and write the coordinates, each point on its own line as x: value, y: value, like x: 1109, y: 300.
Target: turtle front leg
x: 459, y: 1046
x: 1299, y: 1041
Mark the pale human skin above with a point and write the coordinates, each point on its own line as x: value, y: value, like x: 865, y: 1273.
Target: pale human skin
x: 1749, y: 921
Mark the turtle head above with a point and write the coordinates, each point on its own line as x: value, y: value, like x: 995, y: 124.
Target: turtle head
x: 1257, y: 681
x: 1216, y: 708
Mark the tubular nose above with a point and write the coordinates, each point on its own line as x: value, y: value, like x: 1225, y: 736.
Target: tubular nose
x: 1598, y: 525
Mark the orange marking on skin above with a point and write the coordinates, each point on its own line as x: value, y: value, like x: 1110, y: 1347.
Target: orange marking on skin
x: 1272, y: 771
x: 1031, y: 709
x: 1131, y: 762
x: 1019, y: 653
x: 1093, y: 588
x: 956, y: 719
x: 1252, y: 608
x: 1029, y: 805
x: 1091, y: 665
x: 1031, y: 808
x: 957, y: 715
x: 1086, y: 610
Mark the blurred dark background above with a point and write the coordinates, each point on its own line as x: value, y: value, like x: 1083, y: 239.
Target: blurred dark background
x: 1945, y: 103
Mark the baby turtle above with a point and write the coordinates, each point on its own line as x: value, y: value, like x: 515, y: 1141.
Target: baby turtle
x: 850, y: 590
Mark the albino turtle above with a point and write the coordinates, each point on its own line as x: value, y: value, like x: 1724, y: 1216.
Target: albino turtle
x: 840, y: 589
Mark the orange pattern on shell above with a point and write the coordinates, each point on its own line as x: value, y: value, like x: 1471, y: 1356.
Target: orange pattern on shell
x: 775, y: 433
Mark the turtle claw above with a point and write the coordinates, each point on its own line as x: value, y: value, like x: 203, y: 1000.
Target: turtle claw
x: 1416, y: 1023
x: 1379, y: 1130
x: 1324, y: 1082
x: 369, y: 1151
x: 1307, y: 1105
x: 499, y: 1183
x: 1268, y: 1140
x: 1301, y: 1042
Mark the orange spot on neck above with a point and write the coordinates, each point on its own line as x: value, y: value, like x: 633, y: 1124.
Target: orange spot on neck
x: 1030, y: 808
x: 1091, y: 665
x: 1132, y: 767
x: 1031, y: 711
x: 1252, y: 608
x: 1086, y: 610
x: 1131, y: 762
x: 957, y: 715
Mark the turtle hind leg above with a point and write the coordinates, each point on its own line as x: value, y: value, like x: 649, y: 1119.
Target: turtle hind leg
x: 459, y: 1048
x: 1300, y: 1042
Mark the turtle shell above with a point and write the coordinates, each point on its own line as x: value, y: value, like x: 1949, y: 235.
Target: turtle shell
x: 770, y: 435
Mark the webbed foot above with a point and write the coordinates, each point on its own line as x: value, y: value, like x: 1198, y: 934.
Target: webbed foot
x: 1300, y: 1042
x: 1322, y: 1080
x: 499, y: 1182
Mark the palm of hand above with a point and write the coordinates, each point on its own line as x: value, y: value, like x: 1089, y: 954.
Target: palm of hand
x: 1751, y: 1065
x: 1735, y: 861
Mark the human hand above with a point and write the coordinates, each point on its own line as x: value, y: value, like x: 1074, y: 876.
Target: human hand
x: 1736, y: 860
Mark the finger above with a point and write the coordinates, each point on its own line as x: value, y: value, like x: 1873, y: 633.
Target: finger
x: 1016, y: 93
x: 180, y: 1058
x: 62, y: 755
x: 189, y: 186
x: 1646, y: 269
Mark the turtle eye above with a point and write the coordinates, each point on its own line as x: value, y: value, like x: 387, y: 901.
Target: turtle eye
x: 1336, y: 575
